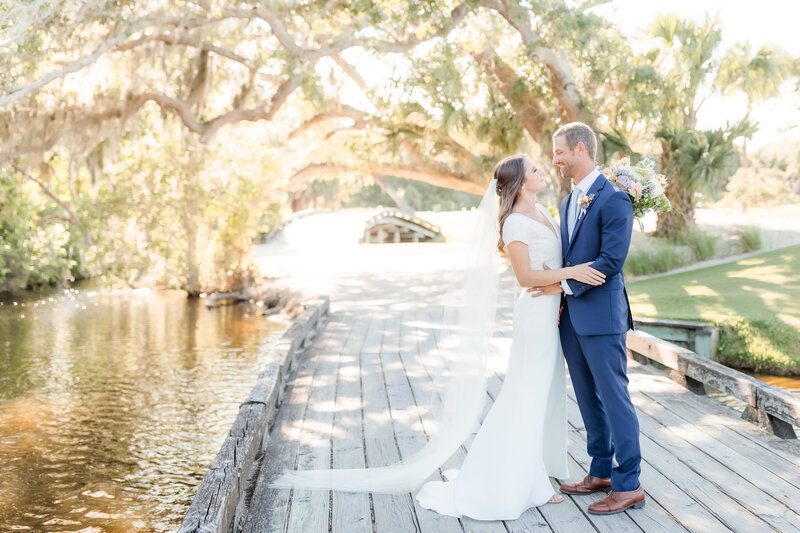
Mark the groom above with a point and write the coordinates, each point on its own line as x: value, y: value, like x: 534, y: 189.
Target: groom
x: 596, y: 226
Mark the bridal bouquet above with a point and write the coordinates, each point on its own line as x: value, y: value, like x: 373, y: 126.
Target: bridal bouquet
x: 644, y: 186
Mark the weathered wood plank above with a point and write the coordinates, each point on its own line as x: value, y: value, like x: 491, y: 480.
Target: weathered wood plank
x: 668, y: 493
x: 220, y: 497
x: 390, y: 510
x: 737, y: 474
x: 721, y: 423
x: 724, y: 508
x: 351, y: 511
x: 773, y: 408
x: 270, y: 507
x: 310, y: 508
x: 690, y: 364
x: 686, y: 470
x: 406, y: 416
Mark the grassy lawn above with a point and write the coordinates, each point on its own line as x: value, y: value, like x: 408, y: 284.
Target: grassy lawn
x: 754, y: 301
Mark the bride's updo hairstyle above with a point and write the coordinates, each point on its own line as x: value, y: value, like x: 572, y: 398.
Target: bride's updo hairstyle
x: 510, y: 175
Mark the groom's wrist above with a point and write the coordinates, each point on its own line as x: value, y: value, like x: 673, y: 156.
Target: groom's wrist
x: 566, y: 287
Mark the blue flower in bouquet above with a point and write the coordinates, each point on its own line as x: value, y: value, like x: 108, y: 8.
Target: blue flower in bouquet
x: 623, y: 171
x: 624, y: 181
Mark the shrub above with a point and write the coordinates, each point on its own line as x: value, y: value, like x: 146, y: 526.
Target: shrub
x: 654, y: 257
x: 760, y: 346
x: 774, y: 187
x: 702, y: 244
x: 749, y: 238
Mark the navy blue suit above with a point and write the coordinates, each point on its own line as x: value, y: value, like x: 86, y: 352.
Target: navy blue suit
x: 593, y: 327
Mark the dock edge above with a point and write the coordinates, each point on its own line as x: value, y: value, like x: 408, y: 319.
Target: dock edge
x: 216, y: 503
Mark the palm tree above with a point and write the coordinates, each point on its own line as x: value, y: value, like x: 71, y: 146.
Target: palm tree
x: 693, y: 159
x: 758, y: 76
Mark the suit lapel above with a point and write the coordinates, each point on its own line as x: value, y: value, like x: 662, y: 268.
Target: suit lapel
x: 563, y: 218
x: 595, y: 189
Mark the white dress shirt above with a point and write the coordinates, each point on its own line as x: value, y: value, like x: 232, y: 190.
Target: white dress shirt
x: 584, y: 185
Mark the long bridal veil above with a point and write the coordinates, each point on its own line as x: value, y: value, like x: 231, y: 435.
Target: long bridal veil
x: 468, y: 325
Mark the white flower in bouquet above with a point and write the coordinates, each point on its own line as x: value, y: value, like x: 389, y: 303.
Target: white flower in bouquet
x: 642, y: 183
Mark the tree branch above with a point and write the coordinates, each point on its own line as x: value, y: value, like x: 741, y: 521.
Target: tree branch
x: 351, y: 71
x: 562, y: 83
x: 176, y: 41
x: 434, y: 176
x: 529, y: 111
x: 344, y: 40
x: 107, y: 44
x: 52, y: 218
x: 208, y: 129
x: 340, y: 111
x: 73, y: 219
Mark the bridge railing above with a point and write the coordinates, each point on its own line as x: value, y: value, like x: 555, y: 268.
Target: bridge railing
x: 771, y: 407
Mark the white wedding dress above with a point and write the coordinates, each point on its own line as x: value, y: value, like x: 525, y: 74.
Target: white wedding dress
x: 523, y: 439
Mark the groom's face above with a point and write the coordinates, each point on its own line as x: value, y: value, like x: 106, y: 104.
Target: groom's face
x: 564, y: 157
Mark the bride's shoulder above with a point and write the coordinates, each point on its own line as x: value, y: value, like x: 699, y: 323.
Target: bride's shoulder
x: 513, y: 225
x: 544, y: 210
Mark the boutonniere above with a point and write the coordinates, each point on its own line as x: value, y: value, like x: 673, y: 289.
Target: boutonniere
x: 584, y: 203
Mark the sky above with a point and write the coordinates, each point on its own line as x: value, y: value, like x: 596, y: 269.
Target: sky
x: 774, y: 22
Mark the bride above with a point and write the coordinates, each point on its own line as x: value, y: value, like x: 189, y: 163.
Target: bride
x: 523, y: 439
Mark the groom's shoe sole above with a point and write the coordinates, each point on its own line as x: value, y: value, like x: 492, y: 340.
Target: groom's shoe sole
x: 595, y: 491
x: 619, y: 501
x: 637, y: 505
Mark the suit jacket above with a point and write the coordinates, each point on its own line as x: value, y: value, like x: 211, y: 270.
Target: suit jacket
x: 602, y: 235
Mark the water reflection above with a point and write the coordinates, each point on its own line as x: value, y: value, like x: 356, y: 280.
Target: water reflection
x: 113, y: 405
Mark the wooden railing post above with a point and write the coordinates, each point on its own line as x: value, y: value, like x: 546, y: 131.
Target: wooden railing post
x: 772, y: 408
x: 689, y: 382
x: 771, y: 423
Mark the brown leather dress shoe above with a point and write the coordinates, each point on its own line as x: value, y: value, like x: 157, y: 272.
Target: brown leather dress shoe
x: 617, y: 502
x: 589, y: 485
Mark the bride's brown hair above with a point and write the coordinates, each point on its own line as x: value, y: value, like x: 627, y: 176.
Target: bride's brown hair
x: 510, y: 175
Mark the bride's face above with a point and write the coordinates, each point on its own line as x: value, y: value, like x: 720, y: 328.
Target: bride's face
x: 534, y: 177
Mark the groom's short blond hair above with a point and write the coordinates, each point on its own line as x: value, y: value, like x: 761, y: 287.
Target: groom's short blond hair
x: 576, y: 132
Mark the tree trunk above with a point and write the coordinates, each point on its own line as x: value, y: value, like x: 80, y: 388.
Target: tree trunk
x: 674, y: 223
x: 744, y: 152
x: 392, y: 192
x: 192, y: 267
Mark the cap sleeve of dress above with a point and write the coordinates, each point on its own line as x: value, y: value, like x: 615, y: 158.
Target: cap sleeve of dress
x: 514, y: 229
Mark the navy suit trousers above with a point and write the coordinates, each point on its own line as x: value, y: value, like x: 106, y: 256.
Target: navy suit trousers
x: 597, y: 366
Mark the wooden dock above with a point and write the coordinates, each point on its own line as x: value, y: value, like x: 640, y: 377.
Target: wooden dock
x: 356, y: 398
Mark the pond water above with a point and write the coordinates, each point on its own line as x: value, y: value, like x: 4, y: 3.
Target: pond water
x: 114, y: 404
x: 791, y: 384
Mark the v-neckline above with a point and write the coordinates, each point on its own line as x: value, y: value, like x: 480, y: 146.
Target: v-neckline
x: 549, y: 228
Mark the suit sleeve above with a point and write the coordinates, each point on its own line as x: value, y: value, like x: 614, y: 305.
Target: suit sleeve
x: 615, y: 235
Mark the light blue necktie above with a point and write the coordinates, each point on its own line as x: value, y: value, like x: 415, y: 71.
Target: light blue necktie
x: 573, y: 210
